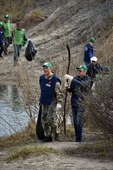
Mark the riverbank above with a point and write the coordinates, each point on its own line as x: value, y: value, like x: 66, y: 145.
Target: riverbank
x: 26, y: 152
x: 9, y: 72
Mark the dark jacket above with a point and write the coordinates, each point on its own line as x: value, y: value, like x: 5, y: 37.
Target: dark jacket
x: 94, y: 70
x: 1, y: 36
x: 79, y: 87
x: 88, y: 53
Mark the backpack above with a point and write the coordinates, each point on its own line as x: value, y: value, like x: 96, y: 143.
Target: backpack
x: 30, y: 51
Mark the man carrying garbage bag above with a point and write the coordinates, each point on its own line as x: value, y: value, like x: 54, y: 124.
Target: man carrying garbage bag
x: 19, y: 40
x: 80, y: 86
x: 50, y: 100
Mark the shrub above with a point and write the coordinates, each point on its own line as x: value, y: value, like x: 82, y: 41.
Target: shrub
x: 99, y: 106
x: 33, y: 17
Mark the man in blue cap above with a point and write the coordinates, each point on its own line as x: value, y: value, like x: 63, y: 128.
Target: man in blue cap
x: 88, y: 51
x: 80, y: 86
x: 50, y: 100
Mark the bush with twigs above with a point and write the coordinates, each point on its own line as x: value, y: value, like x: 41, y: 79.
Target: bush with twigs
x: 99, y: 105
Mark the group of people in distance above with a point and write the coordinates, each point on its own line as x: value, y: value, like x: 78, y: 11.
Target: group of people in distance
x: 51, y: 96
x: 9, y: 36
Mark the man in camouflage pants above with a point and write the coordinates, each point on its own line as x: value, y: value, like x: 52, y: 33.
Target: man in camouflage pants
x: 50, y: 100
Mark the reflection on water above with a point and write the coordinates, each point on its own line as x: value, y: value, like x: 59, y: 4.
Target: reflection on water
x: 13, y: 117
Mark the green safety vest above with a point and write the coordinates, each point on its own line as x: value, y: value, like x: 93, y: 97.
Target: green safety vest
x: 19, y: 36
x: 7, y: 28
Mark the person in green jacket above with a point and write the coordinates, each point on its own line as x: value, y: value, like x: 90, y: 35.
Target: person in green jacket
x: 7, y: 32
x: 19, y: 40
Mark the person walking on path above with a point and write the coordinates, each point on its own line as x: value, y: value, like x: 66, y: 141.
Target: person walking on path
x: 80, y: 86
x: 19, y: 40
x: 94, y: 68
x: 50, y: 99
x: 88, y: 51
x: 7, y: 32
x: 1, y: 39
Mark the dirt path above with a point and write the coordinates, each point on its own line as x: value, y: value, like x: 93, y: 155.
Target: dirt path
x: 56, y: 162
x: 8, y: 72
x: 50, y: 161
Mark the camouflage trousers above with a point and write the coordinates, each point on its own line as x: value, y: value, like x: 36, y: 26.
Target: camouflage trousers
x: 50, y: 120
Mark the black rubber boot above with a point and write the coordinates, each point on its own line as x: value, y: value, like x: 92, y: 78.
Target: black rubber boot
x: 57, y: 137
x: 47, y: 139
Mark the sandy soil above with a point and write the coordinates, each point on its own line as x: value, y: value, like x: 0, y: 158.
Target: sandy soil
x: 50, y: 161
x: 8, y: 72
x: 56, y: 162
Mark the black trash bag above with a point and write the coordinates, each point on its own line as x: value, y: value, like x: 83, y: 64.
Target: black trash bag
x: 30, y: 51
x: 39, y: 128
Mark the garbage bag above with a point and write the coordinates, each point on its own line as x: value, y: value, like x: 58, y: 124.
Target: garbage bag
x: 39, y: 128
x: 30, y: 51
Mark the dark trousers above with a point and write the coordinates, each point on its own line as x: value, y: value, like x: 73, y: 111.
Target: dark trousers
x: 8, y: 41
x: 87, y: 63
x: 77, y: 113
x: 1, y: 49
x: 17, y: 50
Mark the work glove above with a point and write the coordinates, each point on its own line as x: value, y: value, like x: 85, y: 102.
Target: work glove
x: 68, y: 77
x: 58, y: 106
x: 66, y: 84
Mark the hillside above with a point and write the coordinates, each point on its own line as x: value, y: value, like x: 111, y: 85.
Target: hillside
x: 52, y: 24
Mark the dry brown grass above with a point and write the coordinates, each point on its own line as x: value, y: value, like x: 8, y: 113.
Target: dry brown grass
x: 24, y: 152
x: 102, y: 150
x: 25, y: 79
x: 15, y: 9
x: 34, y: 16
x: 99, y: 106
x: 104, y: 48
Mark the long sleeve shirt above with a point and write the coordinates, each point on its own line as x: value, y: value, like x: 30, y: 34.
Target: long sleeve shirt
x: 79, y: 87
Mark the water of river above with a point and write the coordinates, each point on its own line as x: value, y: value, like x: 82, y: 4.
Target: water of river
x: 13, y: 117
x: 12, y: 114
